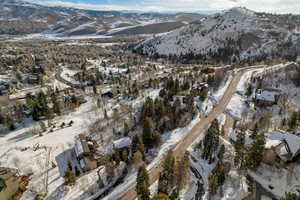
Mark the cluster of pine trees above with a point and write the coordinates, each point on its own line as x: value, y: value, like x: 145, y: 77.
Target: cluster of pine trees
x: 39, y: 105
x: 172, y: 179
x: 212, y: 151
x: 210, y: 143
x: 7, y: 121
x: 162, y: 115
x: 249, y: 157
x: 294, y: 120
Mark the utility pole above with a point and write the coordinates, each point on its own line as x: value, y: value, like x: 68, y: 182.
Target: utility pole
x: 47, y: 168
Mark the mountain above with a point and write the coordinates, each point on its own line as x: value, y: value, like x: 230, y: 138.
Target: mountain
x: 20, y: 17
x: 235, y: 34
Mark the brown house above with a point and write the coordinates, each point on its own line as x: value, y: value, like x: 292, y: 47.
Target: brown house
x: 85, y: 150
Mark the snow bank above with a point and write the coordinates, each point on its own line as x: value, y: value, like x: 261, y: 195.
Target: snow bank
x: 217, y: 96
x: 237, y: 107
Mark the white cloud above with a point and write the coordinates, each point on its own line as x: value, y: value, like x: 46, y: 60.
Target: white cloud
x: 273, y: 6
x: 79, y: 5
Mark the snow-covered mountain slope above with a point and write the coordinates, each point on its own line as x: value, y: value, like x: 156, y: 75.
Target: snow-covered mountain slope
x: 237, y: 33
x: 20, y: 17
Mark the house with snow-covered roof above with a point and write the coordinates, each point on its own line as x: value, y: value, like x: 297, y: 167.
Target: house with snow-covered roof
x: 266, y: 97
x: 122, y: 146
x: 281, y: 147
x: 122, y: 143
x: 85, y: 149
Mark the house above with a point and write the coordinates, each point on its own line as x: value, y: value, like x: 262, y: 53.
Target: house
x: 122, y: 143
x: 85, y: 150
x: 122, y: 146
x: 266, y: 97
x: 281, y: 147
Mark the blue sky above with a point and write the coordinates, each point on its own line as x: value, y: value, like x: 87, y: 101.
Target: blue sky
x: 273, y: 6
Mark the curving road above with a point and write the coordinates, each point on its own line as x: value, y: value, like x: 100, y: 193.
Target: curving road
x: 198, y: 130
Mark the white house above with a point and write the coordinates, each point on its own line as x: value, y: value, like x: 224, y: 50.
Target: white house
x: 122, y: 143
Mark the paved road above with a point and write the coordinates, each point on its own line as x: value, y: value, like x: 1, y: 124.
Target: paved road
x: 198, y: 130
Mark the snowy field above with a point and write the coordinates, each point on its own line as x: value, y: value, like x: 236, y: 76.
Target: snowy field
x: 29, y: 152
x: 217, y: 95
x: 278, y: 181
x: 57, y: 84
x: 67, y: 74
x: 106, y: 70
x: 22, y: 93
x: 237, y: 107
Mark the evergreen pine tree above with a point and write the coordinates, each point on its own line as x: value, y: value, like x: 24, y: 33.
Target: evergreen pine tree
x: 254, y: 155
x: 182, y: 172
x: 255, y: 131
x: 148, y: 128
x: 239, y: 147
x: 211, y: 141
x: 142, y: 186
x: 138, y: 145
x: 56, y: 106
x: 166, y: 178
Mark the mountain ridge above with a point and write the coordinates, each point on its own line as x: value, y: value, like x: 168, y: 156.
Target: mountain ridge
x: 20, y: 17
x: 237, y: 33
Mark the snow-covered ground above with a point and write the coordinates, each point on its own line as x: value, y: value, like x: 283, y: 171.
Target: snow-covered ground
x: 217, y: 95
x: 67, y: 75
x: 106, y: 70
x: 211, y: 34
x: 237, y: 107
x: 246, y: 78
x: 29, y: 152
x: 57, y: 84
x: 278, y: 181
x: 22, y: 93
x: 41, y: 36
